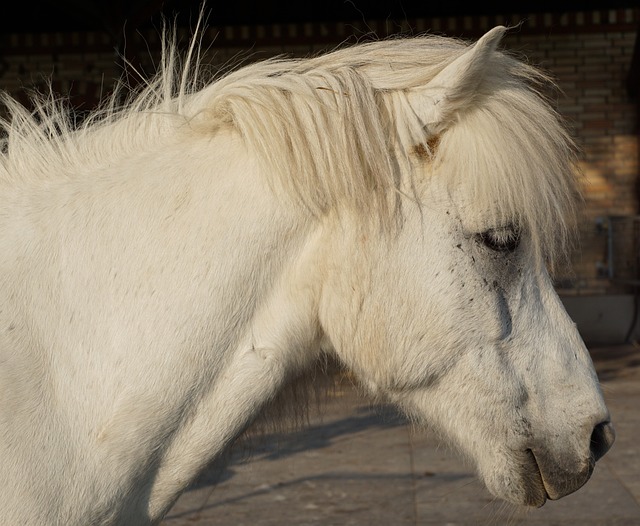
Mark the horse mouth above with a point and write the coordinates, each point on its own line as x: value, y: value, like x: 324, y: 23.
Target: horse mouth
x: 549, y: 482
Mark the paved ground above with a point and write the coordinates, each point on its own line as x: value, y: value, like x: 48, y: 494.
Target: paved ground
x: 359, y: 465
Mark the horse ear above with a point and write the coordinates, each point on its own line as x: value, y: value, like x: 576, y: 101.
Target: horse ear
x: 453, y: 88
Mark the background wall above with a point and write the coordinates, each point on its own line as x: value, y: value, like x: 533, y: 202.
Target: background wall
x: 591, y: 54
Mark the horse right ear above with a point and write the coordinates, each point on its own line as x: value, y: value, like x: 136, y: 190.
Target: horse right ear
x: 452, y: 90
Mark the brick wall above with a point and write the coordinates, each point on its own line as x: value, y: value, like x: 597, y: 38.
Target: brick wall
x: 589, y: 54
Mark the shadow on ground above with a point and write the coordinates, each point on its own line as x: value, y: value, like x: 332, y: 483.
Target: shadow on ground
x: 276, y: 446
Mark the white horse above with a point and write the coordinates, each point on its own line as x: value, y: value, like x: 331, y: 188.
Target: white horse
x: 167, y: 268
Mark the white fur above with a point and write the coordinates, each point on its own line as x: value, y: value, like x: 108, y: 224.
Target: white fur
x: 167, y: 267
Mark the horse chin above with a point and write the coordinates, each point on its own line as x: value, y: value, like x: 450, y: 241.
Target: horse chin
x: 535, y: 490
x: 523, y: 486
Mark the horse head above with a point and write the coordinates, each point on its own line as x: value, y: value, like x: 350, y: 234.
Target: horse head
x: 454, y: 316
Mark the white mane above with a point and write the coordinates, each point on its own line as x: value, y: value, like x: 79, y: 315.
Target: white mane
x: 334, y: 130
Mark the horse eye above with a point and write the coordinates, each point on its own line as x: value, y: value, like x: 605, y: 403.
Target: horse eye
x: 503, y: 239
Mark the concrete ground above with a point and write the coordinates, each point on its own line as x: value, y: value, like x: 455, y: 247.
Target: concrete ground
x: 362, y: 465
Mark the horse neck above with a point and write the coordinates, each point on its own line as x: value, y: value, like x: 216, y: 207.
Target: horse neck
x: 162, y: 307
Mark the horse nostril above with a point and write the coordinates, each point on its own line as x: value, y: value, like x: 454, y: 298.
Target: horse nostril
x: 602, y: 439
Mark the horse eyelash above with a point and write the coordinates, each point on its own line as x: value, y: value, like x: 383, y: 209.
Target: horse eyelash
x: 504, y: 239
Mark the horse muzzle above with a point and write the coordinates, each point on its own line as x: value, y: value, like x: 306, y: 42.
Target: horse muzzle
x: 560, y: 478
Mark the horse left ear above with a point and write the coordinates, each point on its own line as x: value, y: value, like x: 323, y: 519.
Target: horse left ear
x: 453, y: 88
